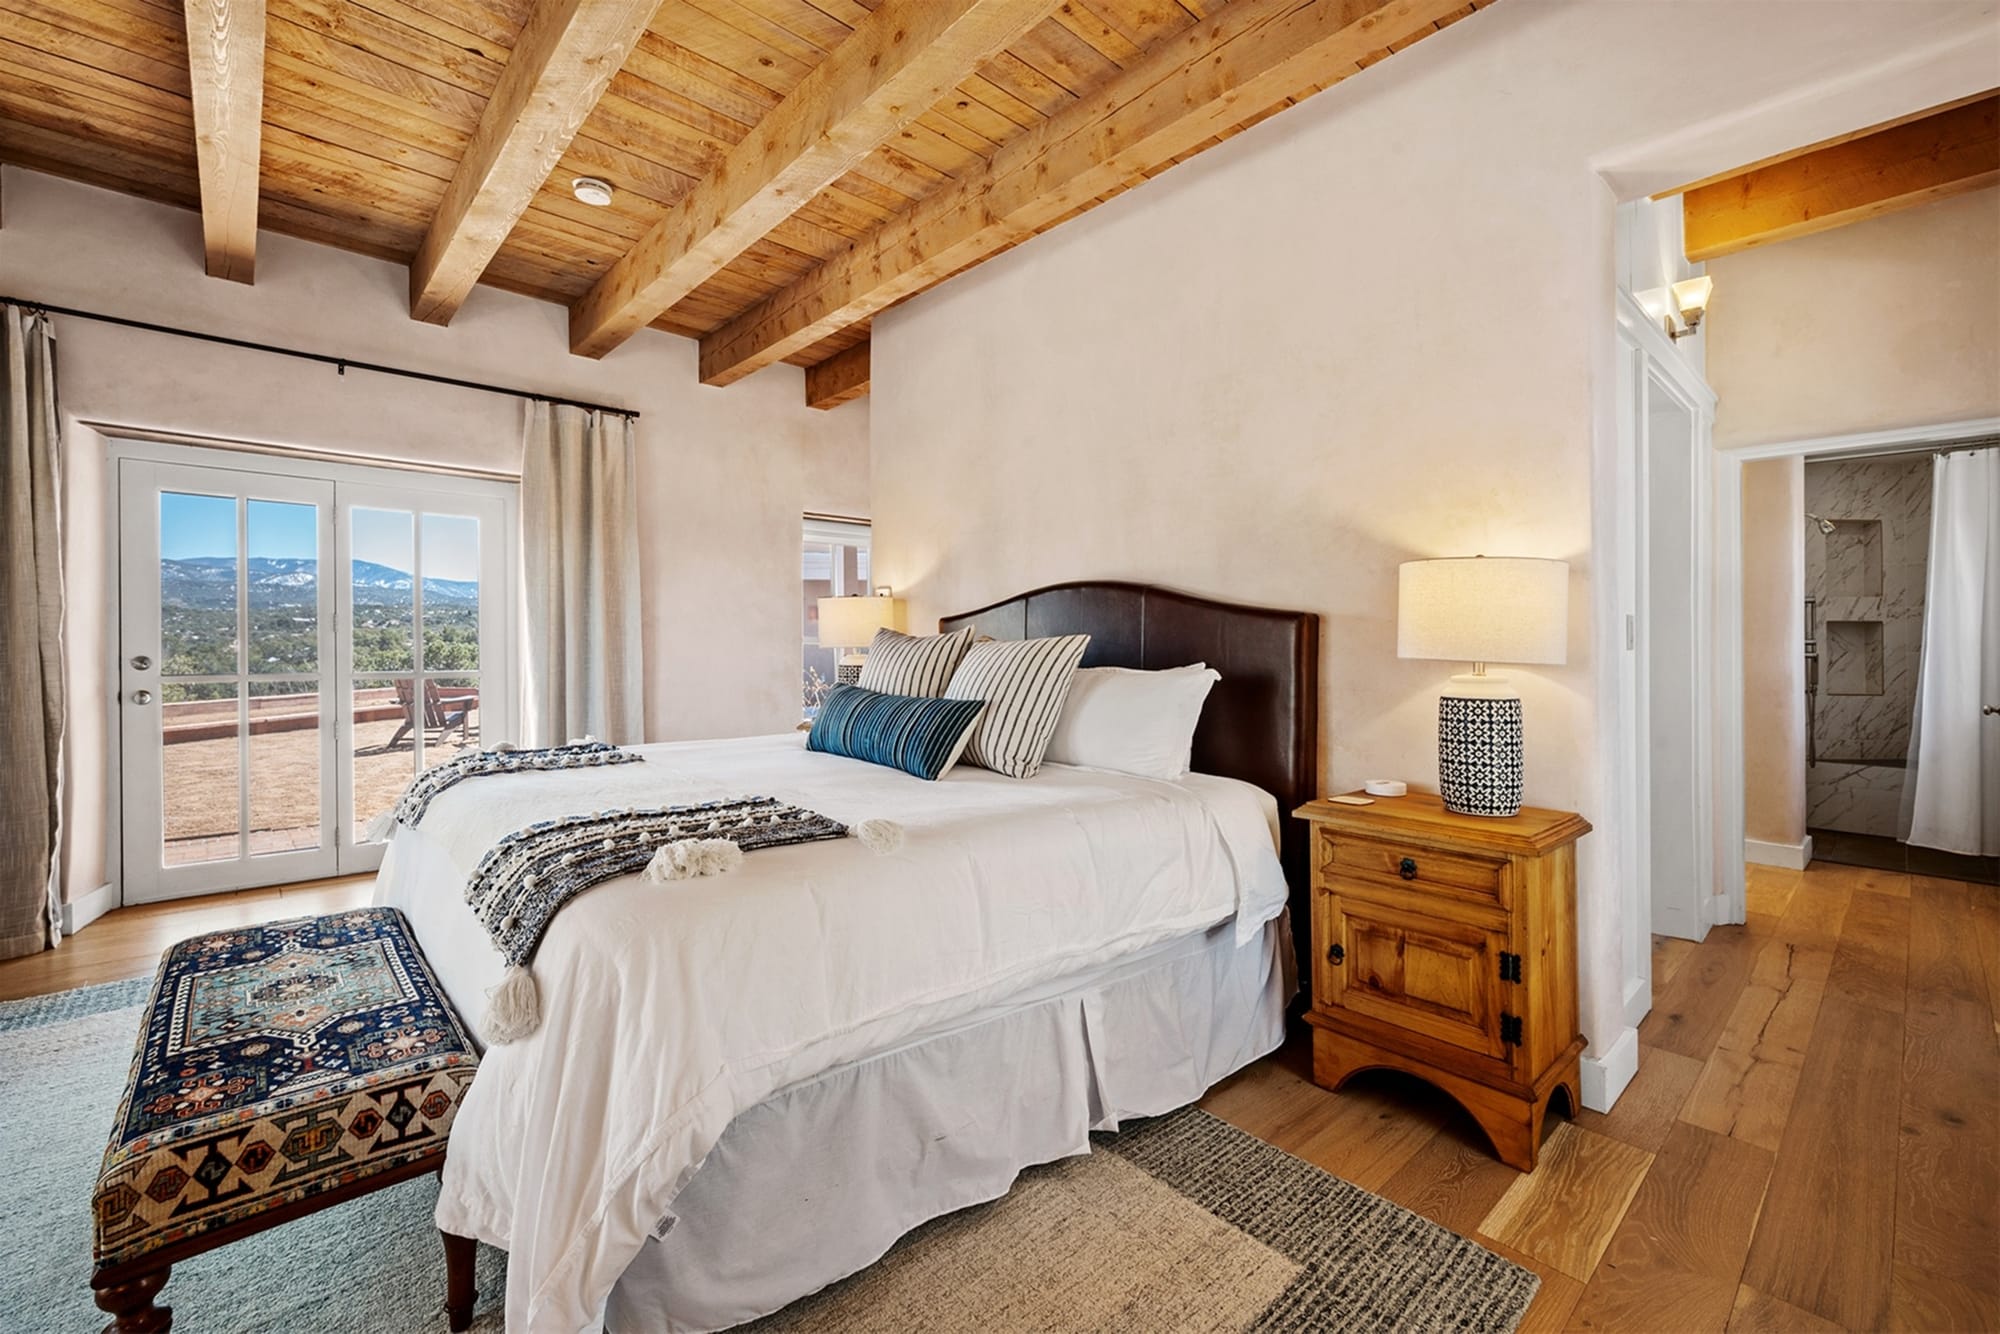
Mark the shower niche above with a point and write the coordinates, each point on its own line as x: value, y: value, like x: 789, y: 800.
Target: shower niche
x: 1853, y: 658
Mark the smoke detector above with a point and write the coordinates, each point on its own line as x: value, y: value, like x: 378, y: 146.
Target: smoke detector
x: 591, y: 191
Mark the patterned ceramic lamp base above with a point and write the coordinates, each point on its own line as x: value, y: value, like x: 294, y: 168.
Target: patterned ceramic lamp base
x: 1479, y: 755
x: 848, y: 673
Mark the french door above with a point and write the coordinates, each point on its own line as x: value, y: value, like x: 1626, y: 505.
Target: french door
x: 293, y: 650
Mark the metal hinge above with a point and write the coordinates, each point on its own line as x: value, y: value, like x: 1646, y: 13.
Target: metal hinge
x: 1510, y: 967
x: 1510, y: 1030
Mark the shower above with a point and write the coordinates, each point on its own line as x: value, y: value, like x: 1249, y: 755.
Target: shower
x: 1825, y: 525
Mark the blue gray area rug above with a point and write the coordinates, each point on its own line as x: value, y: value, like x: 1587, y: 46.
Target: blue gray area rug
x: 1183, y: 1222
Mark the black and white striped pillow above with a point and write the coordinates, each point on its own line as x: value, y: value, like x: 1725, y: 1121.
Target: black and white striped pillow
x: 900, y: 664
x: 1024, y: 683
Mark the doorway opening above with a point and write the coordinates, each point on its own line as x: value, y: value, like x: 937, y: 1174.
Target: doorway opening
x: 1868, y: 533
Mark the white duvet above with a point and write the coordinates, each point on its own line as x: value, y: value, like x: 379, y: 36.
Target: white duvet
x: 669, y: 1008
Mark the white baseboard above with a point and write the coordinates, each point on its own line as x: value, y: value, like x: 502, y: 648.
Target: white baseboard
x: 81, y: 911
x: 1605, y: 1077
x: 1791, y: 856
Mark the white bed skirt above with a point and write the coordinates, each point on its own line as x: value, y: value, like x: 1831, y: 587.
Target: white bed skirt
x: 818, y: 1181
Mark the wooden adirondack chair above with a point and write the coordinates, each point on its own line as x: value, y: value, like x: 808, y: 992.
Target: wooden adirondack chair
x: 444, y: 711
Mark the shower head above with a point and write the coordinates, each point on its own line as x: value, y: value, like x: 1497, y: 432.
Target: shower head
x: 1825, y: 525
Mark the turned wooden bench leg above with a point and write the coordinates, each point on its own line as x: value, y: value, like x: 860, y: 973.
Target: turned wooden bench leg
x: 459, y: 1255
x: 130, y: 1304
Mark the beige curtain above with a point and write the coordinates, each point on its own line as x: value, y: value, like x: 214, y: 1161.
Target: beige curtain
x: 580, y: 556
x: 31, y: 623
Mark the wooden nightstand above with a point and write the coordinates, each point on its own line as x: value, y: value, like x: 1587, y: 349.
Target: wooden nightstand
x: 1445, y: 946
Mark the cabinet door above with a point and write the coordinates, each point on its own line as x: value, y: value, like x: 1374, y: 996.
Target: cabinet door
x: 1425, y: 974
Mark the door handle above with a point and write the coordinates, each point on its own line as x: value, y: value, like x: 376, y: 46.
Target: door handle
x: 141, y: 663
x: 142, y: 697
x: 1989, y: 708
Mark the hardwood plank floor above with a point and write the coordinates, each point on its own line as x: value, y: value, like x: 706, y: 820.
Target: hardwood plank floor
x: 127, y: 942
x: 1864, y: 1195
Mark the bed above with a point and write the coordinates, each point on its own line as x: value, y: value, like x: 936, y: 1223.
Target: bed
x: 745, y: 1088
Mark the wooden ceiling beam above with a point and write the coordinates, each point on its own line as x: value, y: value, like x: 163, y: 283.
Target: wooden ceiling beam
x: 1250, y: 60
x: 226, y: 69
x: 891, y: 69
x: 1898, y: 167
x: 841, y: 378
x: 561, y: 65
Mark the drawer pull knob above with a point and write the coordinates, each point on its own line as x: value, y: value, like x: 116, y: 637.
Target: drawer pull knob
x: 1408, y: 869
x: 1335, y: 953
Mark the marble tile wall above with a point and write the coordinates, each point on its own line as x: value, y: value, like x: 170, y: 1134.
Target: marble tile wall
x: 1871, y: 572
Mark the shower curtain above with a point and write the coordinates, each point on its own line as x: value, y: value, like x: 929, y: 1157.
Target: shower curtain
x: 1951, y: 791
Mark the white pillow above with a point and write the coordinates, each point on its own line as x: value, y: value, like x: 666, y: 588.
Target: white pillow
x: 1130, y: 721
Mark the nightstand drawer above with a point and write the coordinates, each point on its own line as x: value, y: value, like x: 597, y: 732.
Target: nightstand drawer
x: 1421, y: 869
x: 1423, y: 974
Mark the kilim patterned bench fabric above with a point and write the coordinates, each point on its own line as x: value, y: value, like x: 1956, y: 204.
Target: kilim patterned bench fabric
x: 278, y: 1063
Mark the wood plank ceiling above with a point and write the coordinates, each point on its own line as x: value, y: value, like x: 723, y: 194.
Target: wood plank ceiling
x: 934, y: 135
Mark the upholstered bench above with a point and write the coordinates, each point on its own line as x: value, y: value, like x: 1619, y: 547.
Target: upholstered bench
x: 282, y: 1069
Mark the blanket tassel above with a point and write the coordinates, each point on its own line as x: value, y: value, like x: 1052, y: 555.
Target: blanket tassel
x: 881, y: 837
x: 514, y: 1008
x: 690, y: 858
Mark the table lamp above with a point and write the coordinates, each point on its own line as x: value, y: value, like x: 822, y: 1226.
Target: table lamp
x: 1482, y: 609
x: 851, y: 623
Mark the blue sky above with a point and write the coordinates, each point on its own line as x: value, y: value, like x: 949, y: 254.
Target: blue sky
x: 192, y: 526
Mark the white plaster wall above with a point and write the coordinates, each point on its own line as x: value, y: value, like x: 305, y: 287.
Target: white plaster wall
x: 1887, y: 323
x: 724, y: 474
x: 1774, y: 674
x: 1376, y: 327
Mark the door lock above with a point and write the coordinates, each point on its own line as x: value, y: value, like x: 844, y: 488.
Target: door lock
x: 142, y: 697
x: 141, y: 663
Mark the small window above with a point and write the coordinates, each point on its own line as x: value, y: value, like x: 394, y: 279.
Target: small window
x: 834, y: 564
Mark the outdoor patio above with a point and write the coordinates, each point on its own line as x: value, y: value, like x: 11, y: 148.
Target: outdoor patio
x: 200, y: 783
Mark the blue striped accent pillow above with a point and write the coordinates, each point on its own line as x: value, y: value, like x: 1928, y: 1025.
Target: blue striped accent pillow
x: 917, y: 734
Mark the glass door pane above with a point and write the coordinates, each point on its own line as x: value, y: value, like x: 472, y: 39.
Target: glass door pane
x: 416, y: 578
x: 200, y: 732
x: 450, y: 565
x: 382, y: 645
x: 283, y: 677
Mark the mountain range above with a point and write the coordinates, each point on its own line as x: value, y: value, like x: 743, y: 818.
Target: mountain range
x: 210, y: 581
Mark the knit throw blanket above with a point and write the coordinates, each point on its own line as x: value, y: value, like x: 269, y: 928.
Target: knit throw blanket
x: 528, y: 876
x: 417, y: 798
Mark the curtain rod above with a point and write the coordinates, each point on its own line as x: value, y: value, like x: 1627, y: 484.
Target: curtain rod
x: 342, y: 364
x: 1971, y: 444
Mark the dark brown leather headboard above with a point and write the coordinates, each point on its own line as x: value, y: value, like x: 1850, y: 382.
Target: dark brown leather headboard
x: 1261, y: 722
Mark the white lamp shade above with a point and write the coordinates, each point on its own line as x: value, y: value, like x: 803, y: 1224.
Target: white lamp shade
x: 852, y: 622
x: 1483, y: 609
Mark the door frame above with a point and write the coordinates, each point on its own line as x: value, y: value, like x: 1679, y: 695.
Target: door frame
x: 1727, y: 630
x: 138, y: 483
x: 1648, y: 362
x: 122, y: 443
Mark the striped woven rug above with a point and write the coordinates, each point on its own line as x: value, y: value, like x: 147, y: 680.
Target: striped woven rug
x: 1179, y: 1223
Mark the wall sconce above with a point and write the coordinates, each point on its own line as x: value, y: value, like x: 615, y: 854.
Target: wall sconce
x: 1691, y: 299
